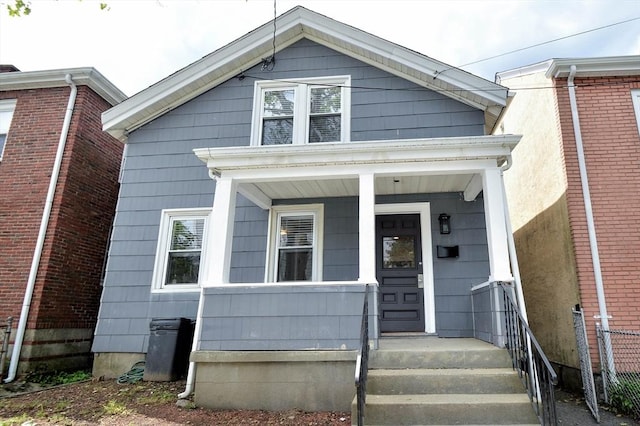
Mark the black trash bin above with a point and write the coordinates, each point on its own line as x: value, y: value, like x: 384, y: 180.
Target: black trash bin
x: 169, y: 348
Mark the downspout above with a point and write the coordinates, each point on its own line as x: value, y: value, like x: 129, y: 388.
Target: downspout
x: 593, y: 242
x: 513, y: 257
x: 586, y: 195
x: 44, y: 223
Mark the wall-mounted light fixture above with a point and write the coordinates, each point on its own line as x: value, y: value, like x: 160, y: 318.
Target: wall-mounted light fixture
x: 445, y: 223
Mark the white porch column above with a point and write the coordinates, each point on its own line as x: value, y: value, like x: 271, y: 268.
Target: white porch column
x: 496, y: 226
x: 367, y: 229
x: 220, y: 233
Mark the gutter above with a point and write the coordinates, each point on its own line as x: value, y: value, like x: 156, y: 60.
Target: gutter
x: 44, y: 223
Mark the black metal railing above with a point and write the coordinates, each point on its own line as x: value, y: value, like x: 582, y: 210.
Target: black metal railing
x: 362, y: 361
x: 529, y: 361
x: 5, y: 345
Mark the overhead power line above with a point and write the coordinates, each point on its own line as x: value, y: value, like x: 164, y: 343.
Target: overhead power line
x: 550, y: 41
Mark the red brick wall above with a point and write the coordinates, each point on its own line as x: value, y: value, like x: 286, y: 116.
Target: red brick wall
x: 68, y: 285
x: 612, y: 152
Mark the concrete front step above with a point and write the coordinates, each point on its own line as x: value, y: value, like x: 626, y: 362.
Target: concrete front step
x: 470, y: 358
x: 443, y: 381
x: 448, y: 409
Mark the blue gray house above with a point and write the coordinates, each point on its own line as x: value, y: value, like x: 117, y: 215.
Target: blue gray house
x: 267, y: 184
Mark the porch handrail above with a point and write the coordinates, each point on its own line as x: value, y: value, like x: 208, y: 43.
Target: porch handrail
x: 362, y: 360
x: 530, y: 361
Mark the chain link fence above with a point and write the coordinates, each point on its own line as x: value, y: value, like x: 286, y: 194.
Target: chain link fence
x: 620, y: 365
x: 588, y: 384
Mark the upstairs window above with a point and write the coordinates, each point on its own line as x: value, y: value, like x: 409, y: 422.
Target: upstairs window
x: 180, y: 249
x: 305, y: 111
x: 635, y: 96
x: 6, y: 114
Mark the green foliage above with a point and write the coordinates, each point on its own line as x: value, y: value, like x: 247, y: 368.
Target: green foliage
x: 113, y: 408
x: 19, y: 8
x: 625, y: 396
x: 53, y: 378
x: 23, y: 8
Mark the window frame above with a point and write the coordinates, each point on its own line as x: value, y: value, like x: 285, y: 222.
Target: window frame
x: 168, y: 216
x: 301, y: 113
x: 277, y: 212
x: 6, y: 106
x: 635, y: 97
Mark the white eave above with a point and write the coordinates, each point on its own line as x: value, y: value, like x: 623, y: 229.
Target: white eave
x: 226, y: 159
x: 595, y: 67
x: 87, y: 76
x: 292, y: 26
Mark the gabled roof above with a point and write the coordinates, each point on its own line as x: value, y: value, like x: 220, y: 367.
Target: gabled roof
x: 292, y: 26
x: 88, y: 76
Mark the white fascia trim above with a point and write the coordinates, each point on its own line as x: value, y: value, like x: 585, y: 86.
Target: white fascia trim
x: 523, y: 71
x: 219, y: 160
x: 87, y: 76
x: 400, y: 60
x: 595, y: 67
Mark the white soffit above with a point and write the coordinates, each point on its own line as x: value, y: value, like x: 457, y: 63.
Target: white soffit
x: 292, y: 26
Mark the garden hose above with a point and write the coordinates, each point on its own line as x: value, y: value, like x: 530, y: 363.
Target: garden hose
x: 134, y: 375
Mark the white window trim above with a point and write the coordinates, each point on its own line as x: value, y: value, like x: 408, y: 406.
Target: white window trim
x: 6, y: 105
x: 317, y: 210
x: 301, y: 87
x: 635, y: 96
x: 160, y: 266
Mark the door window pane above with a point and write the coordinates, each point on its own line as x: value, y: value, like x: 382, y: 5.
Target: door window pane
x: 398, y: 252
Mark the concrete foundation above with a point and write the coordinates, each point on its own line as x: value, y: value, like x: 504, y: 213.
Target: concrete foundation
x: 275, y: 380
x: 113, y: 365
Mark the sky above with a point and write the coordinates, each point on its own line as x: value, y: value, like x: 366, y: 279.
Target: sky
x: 136, y: 43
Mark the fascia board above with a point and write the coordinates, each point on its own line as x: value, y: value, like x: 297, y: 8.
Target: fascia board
x: 87, y: 76
x: 400, y: 59
x: 523, y: 71
x: 370, y: 152
x: 595, y: 67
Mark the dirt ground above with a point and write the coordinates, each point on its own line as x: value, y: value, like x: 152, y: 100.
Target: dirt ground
x: 154, y: 403
x: 139, y: 404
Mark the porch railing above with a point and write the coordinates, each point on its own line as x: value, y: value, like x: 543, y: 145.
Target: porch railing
x: 528, y: 359
x: 362, y: 361
x: 6, y: 334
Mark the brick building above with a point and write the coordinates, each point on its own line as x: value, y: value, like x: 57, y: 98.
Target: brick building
x: 58, y: 189
x: 576, y: 222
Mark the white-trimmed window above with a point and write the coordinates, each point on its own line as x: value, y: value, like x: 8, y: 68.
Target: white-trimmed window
x: 180, y: 249
x: 301, y: 111
x: 296, y: 243
x: 635, y: 95
x: 6, y: 114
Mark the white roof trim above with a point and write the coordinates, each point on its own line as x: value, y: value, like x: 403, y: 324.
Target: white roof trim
x: 292, y: 26
x: 221, y: 160
x: 596, y: 67
x: 87, y: 76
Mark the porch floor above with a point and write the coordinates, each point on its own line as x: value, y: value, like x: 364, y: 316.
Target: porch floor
x: 421, y: 342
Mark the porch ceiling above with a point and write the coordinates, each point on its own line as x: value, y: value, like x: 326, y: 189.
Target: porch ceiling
x: 385, y: 185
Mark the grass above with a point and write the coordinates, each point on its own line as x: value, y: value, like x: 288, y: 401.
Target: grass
x: 114, y: 408
x: 54, y: 378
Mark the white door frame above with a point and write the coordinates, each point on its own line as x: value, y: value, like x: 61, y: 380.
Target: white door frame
x: 424, y: 210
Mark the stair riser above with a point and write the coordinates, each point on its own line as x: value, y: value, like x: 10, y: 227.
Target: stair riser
x: 458, y: 384
x: 420, y: 359
x: 412, y: 414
